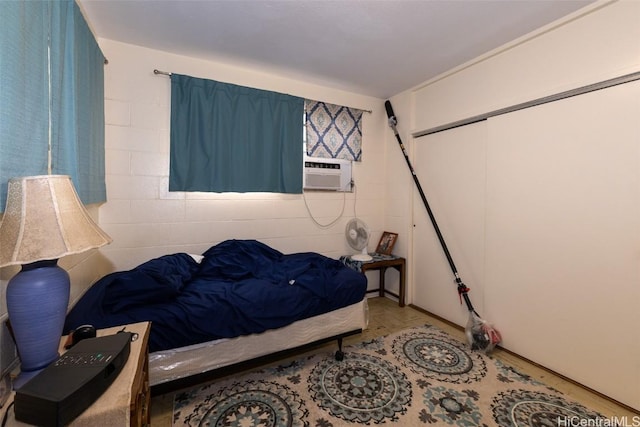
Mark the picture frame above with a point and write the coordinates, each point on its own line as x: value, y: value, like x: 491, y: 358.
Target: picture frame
x: 385, y: 245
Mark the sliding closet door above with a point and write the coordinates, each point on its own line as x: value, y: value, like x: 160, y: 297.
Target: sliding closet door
x: 451, y: 168
x: 540, y: 209
x: 563, y: 236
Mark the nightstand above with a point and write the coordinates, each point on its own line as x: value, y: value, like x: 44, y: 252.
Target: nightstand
x: 127, y: 400
x: 381, y: 263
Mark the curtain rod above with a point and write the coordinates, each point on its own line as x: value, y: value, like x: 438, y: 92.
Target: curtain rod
x: 165, y: 73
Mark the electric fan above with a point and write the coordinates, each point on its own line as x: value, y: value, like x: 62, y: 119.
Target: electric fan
x: 357, y: 234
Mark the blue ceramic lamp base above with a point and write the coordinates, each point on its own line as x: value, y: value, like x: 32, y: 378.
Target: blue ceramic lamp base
x: 37, y: 301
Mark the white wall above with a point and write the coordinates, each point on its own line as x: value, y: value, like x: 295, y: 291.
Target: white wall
x: 542, y: 212
x: 145, y: 220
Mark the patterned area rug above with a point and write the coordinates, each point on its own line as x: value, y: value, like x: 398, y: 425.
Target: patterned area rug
x: 416, y: 377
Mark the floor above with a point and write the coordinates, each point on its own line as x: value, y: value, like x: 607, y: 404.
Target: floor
x: 386, y: 317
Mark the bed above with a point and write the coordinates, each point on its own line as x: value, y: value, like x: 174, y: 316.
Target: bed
x: 240, y: 301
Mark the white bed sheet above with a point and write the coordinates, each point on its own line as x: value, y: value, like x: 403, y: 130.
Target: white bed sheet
x: 169, y: 365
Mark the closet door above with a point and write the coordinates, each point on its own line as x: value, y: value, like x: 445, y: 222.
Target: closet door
x: 451, y: 168
x: 563, y: 236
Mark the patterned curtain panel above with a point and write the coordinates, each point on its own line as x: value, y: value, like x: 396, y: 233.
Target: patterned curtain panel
x: 333, y: 131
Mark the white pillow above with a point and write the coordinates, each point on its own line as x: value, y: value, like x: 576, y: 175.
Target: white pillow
x: 197, y: 258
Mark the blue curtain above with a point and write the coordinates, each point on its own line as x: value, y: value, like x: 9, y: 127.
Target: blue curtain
x: 226, y: 137
x: 77, y: 103
x: 51, y: 95
x: 24, y: 91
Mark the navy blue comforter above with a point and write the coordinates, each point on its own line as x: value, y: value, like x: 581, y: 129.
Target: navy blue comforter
x: 240, y: 287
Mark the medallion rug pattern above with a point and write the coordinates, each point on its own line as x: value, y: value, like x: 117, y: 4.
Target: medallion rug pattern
x: 416, y: 377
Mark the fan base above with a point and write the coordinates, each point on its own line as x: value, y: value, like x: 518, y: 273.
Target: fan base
x: 361, y: 257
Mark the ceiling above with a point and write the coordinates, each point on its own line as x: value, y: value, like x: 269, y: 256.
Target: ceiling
x: 377, y: 48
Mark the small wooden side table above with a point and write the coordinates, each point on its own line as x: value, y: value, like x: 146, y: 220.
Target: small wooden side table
x: 126, y: 401
x: 381, y: 263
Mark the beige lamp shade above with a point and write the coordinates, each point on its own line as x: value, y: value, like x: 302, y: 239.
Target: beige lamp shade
x: 45, y: 220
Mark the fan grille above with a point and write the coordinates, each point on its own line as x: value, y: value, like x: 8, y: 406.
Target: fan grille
x: 357, y: 234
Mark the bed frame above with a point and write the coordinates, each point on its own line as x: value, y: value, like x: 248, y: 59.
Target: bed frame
x: 174, y: 369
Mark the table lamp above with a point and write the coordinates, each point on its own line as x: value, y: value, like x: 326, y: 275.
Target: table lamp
x: 43, y: 221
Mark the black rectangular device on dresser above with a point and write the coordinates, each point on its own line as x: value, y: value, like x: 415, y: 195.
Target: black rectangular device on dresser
x: 64, y: 389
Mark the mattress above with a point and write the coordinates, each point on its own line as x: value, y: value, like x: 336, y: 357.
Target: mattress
x: 174, y: 364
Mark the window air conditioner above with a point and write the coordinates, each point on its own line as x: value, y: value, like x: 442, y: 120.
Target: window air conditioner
x: 326, y: 174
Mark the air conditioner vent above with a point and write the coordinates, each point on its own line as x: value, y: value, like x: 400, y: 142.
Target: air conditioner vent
x: 327, y: 174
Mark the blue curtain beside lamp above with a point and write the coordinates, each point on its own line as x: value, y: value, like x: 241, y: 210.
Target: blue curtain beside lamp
x: 52, y: 80
x: 52, y: 122
x: 44, y: 220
